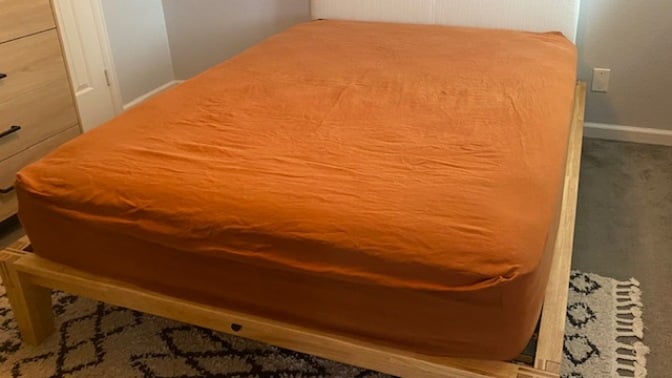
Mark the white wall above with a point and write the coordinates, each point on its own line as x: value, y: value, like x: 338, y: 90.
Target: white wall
x: 139, y: 42
x: 203, y: 33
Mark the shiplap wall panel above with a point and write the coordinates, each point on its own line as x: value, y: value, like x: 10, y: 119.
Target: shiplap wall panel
x: 531, y: 15
x: 409, y: 11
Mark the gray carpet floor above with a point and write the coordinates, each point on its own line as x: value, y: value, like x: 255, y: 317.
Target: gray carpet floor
x: 623, y: 230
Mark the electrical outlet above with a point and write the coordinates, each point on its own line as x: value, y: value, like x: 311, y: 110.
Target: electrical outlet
x: 601, y: 79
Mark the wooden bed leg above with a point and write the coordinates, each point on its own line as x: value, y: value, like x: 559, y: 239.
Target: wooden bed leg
x: 31, y: 303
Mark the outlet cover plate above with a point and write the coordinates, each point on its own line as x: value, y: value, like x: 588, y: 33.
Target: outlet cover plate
x: 601, y: 79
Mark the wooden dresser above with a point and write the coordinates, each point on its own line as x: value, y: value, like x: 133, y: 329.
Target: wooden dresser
x: 37, y: 108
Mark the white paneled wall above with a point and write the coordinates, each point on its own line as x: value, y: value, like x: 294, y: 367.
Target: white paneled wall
x: 410, y: 11
x: 532, y: 15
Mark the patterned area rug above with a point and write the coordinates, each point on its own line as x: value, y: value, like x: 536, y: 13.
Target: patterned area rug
x: 604, y: 328
x: 98, y: 340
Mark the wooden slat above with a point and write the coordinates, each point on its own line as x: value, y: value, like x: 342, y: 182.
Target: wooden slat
x: 19, y: 18
x: 552, y: 328
x: 19, y: 244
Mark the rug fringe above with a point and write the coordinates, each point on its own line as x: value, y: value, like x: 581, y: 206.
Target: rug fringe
x: 636, y: 370
x: 628, y: 305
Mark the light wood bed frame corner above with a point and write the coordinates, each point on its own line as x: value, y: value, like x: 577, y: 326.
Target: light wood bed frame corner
x: 29, y: 279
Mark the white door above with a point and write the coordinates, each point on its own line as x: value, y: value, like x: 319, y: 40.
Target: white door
x: 89, y: 60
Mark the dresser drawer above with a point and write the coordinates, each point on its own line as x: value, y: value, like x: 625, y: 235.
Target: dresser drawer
x: 9, y: 167
x: 35, y: 95
x: 22, y: 17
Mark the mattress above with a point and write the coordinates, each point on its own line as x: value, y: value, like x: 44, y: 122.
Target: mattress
x: 394, y: 183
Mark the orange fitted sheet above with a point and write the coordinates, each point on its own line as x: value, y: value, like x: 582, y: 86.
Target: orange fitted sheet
x: 397, y: 183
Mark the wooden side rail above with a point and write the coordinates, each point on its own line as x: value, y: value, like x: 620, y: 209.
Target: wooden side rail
x: 552, y: 329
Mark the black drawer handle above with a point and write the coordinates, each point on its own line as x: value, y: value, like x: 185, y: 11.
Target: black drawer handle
x: 12, y: 129
x: 6, y: 190
x: 2, y: 75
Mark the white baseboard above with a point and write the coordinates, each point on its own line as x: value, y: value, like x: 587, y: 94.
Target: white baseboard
x: 151, y: 93
x: 643, y: 135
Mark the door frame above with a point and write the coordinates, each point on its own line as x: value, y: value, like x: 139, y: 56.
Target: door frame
x: 105, y: 47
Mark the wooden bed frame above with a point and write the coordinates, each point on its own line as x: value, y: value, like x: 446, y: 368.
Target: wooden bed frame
x: 29, y: 280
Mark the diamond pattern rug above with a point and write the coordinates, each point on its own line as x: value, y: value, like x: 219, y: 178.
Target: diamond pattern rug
x: 99, y: 340
x: 604, y: 328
